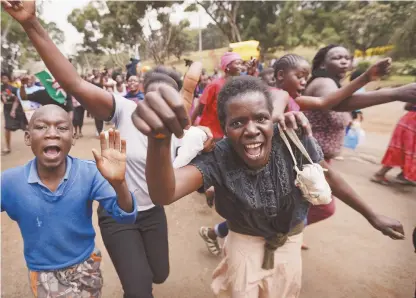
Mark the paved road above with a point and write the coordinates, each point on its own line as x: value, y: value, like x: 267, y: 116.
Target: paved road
x: 347, y: 258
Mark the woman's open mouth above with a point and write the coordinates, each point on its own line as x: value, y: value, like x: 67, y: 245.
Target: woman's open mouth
x: 253, y: 151
x: 52, y: 151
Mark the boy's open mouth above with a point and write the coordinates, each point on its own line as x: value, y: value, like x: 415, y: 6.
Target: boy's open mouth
x: 52, y: 151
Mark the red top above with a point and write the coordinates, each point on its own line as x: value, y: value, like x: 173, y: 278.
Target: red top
x: 209, y: 117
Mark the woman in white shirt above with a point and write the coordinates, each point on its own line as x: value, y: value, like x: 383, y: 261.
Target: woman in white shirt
x: 119, y: 87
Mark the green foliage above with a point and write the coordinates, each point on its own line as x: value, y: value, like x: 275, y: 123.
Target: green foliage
x: 115, y: 27
x: 213, y: 38
x: 408, y: 69
x: 363, y: 65
x: 16, y: 46
x: 358, y: 25
x: 404, y: 38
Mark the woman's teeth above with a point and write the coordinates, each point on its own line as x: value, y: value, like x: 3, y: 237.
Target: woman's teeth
x: 253, y: 145
x: 253, y: 150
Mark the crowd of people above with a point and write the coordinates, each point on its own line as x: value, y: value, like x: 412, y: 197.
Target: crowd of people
x: 232, y: 145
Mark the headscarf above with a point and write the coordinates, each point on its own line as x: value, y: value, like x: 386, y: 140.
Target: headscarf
x: 227, y: 58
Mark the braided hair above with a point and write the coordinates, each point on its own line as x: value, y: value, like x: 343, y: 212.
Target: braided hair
x: 288, y: 61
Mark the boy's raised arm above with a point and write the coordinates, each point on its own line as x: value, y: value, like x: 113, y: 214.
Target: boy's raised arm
x: 96, y: 100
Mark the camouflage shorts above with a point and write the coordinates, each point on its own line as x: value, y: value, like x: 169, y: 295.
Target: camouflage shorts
x: 78, y: 281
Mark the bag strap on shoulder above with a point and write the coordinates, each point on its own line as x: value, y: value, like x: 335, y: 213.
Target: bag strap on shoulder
x: 293, y: 136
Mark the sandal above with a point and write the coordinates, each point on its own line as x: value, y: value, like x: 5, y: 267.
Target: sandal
x: 402, y: 180
x: 6, y: 152
x: 212, y: 245
x: 380, y: 180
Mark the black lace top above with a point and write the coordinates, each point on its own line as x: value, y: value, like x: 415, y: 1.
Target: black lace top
x: 262, y: 202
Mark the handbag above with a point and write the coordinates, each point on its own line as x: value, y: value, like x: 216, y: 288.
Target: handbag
x: 311, y: 179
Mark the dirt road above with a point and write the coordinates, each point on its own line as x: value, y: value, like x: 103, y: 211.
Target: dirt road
x: 347, y: 257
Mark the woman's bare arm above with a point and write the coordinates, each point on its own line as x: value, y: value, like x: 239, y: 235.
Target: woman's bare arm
x: 165, y: 184
x: 342, y: 190
x: 280, y: 102
x: 325, y: 86
x: 332, y: 99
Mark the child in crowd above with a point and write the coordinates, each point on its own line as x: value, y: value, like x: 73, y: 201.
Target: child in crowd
x: 51, y: 199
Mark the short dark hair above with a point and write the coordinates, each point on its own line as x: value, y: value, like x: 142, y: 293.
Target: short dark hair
x: 115, y: 74
x: 163, y: 74
x: 238, y: 86
x: 288, y: 61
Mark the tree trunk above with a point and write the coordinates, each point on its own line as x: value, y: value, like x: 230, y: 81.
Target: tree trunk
x: 6, y: 31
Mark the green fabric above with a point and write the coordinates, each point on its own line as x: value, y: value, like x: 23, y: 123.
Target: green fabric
x: 275, y: 242
x: 52, y: 87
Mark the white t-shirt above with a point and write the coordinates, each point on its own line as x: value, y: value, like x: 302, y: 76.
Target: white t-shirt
x: 137, y: 149
x: 123, y: 91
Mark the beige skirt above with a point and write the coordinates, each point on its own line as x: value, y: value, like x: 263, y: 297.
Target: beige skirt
x: 239, y: 275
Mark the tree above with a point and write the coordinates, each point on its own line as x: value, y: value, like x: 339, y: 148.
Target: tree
x: 168, y: 39
x: 213, y: 38
x: 367, y: 26
x: 115, y: 27
x: 404, y: 38
x: 16, y: 47
x: 256, y: 23
x: 364, y: 25
x: 181, y: 40
x: 225, y: 14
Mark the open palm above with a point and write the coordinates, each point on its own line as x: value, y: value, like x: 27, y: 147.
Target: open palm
x: 112, y: 161
x: 21, y: 11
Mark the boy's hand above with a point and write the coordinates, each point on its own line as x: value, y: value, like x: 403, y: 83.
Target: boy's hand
x: 112, y: 161
x: 21, y: 11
